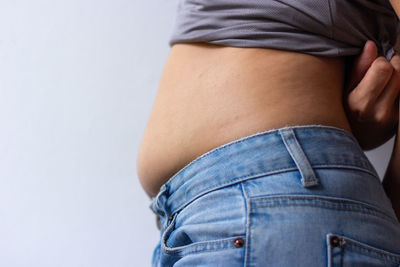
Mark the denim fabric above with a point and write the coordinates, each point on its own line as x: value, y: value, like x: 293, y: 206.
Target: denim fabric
x: 295, y: 196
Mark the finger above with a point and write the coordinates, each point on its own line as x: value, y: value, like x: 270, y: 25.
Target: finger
x: 374, y: 81
x: 362, y: 63
x: 392, y: 89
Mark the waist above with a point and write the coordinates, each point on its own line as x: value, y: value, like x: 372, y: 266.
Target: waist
x: 210, y: 95
x: 271, y: 152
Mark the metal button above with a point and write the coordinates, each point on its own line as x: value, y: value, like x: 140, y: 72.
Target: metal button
x: 335, y: 241
x: 239, y: 242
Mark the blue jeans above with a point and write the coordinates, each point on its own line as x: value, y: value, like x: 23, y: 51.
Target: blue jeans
x: 295, y: 196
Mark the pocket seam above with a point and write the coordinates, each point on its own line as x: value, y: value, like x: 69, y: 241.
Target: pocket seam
x: 204, y: 246
x: 321, y: 201
x: 365, y: 249
x: 198, y: 247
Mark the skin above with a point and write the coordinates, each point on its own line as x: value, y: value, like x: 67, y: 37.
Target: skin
x: 371, y: 101
x: 396, y: 6
x: 209, y: 95
x: 374, y: 104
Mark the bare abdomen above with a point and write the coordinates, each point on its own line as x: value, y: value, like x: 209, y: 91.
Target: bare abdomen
x: 209, y: 95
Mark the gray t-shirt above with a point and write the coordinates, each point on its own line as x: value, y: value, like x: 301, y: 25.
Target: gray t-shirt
x: 318, y: 27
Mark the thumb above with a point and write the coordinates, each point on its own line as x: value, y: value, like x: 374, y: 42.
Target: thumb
x: 362, y: 63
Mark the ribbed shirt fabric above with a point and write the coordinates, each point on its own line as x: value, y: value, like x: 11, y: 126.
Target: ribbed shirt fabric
x: 318, y: 27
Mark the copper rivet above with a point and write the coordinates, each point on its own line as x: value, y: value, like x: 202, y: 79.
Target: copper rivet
x: 335, y: 241
x: 239, y: 242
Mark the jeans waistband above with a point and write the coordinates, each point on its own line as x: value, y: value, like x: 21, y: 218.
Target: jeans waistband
x: 302, y: 148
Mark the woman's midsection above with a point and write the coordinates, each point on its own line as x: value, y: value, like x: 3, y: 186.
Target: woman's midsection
x: 209, y: 95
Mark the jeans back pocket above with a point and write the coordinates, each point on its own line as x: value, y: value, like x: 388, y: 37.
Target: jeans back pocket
x: 344, y: 251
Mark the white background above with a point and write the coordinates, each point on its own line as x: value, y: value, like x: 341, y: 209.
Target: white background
x: 77, y: 83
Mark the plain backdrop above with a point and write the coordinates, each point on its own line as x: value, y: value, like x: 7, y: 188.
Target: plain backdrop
x: 77, y: 84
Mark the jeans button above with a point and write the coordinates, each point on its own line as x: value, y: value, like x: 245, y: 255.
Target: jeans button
x: 335, y: 241
x: 239, y: 242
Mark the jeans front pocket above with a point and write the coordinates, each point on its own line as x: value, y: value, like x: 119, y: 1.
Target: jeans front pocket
x: 209, y: 230
x: 344, y: 251
x: 181, y: 244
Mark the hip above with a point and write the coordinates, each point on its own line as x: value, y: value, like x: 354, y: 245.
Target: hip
x: 304, y: 196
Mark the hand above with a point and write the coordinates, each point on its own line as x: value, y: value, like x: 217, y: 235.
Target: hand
x: 371, y: 98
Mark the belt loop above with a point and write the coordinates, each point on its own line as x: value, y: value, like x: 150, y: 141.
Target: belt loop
x: 158, y: 202
x: 308, y: 177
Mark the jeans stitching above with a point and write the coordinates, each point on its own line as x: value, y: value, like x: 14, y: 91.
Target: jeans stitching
x: 299, y: 157
x: 199, y: 247
x: 247, y: 225
x: 253, y: 176
x: 324, y: 128
x: 370, y: 250
x: 340, y: 204
x: 231, y: 182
